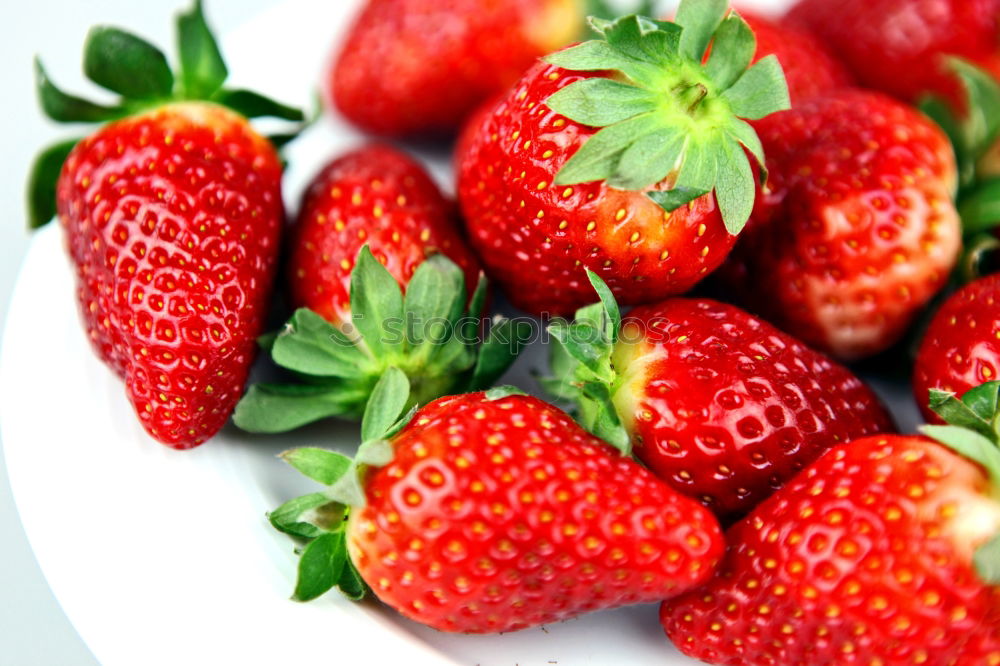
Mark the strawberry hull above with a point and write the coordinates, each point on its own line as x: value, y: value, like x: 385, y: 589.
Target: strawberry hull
x: 173, y: 221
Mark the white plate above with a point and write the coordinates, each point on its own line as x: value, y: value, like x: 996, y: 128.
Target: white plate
x: 161, y: 557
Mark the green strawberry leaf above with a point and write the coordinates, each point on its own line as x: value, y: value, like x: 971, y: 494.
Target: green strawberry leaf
x: 599, y: 416
x: 376, y: 305
x: 501, y: 392
x: 981, y: 124
x: 735, y: 190
x: 987, y: 560
x: 376, y: 452
x: 255, y: 105
x: 958, y: 413
x: 65, y: 108
x: 650, y: 160
x: 318, y: 464
x: 700, y: 20
x: 203, y: 70
x: 980, y: 208
x: 302, y: 516
x: 732, y: 51
x: 310, y: 345
x: 277, y: 408
x: 671, y: 200
x: 351, y: 584
x: 586, y: 344
x: 598, y: 158
x: 498, y: 352
x: 385, y: 405
x: 760, y: 91
x: 320, y: 566
x: 983, y: 400
x: 747, y: 137
x: 601, y: 102
x: 970, y: 444
x: 42, y: 183
x: 613, y: 322
x: 126, y: 64
x: 401, y: 423
x: 434, y: 301
x: 477, y: 305
x: 594, y: 56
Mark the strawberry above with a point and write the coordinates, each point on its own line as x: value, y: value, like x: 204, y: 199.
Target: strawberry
x: 885, y: 551
x: 375, y: 196
x: 856, y: 230
x: 898, y: 46
x: 492, y: 512
x: 938, y: 53
x: 411, y: 67
x: 172, y: 215
x: 717, y: 403
x: 641, y: 175
x: 961, y: 348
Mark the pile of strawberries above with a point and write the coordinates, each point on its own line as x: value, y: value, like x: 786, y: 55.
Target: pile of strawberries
x: 723, y: 463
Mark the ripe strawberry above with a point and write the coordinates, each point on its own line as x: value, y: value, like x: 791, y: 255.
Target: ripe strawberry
x: 493, y: 512
x: 172, y: 216
x: 375, y: 196
x: 961, y: 348
x: 652, y: 201
x: 886, y: 551
x: 418, y: 67
x: 898, y: 46
x: 856, y: 231
x: 717, y: 403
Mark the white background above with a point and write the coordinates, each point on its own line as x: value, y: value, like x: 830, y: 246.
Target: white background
x: 33, y: 629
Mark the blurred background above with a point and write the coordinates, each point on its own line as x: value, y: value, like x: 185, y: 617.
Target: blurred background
x: 33, y: 629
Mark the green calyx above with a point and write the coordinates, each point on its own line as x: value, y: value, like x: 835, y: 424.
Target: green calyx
x: 669, y: 116
x: 973, y: 134
x: 139, y: 74
x: 582, y: 368
x: 973, y: 431
x: 429, y: 335
x: 319, y: 520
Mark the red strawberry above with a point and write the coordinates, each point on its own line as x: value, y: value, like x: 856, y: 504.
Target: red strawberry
x: 719, y: 404
x: 898, y: 46
x: 494, y: 512
x: 373, y: 272
x: 172, y: 219
x: 944, y: 54
x: 546, y: 192
x: 886, y: 551
x: 856, y: 231
x: 417, y: 67
x: 375, y: 196
x: 961, y: 349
